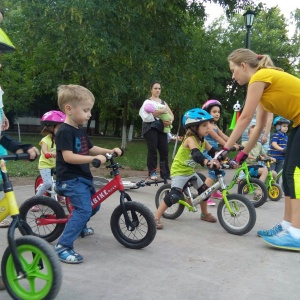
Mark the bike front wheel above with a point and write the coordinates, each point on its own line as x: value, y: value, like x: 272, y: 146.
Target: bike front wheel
x: 41, y: 265
x: 172, y: 212
x: 243, y: 216
x: 256, y: 191
x: 43, y: 208
x: 143, y: 221
x: 275, y: 192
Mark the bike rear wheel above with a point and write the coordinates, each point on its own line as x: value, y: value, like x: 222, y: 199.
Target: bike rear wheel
x: 48, y: 208
x: 243, y: 218
x: 260, y: 192
x: 275, y: 192
x: 43, y: 270
x: 172, y: 212
x: 143, y: 220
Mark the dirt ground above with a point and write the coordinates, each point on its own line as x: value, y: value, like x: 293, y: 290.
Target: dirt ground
x: 125, y: 173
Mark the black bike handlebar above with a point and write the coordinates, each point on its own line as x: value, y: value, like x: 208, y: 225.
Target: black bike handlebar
x: 18, y: 156
x: 97, y: 163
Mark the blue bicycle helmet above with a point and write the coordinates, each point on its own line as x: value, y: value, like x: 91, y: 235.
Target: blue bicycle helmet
x: 194, y: 117
x: 280, y: 120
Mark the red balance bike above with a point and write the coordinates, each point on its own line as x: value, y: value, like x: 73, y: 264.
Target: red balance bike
x: 132, y: 223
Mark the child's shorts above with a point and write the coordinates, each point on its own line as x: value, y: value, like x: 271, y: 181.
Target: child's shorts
x: 253, y: 170
x: 212, y: 175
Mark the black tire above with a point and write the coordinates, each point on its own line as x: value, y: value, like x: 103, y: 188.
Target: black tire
x: 172, y: 212
x: 275, y: 192
x: 244, y: 215
x: 143, y: 219
x: 260, y: 194
x: 38, y: 181
x: 44, y: 274
x: 47, y: 206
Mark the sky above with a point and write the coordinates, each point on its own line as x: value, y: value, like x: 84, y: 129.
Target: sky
x: 286, y: 7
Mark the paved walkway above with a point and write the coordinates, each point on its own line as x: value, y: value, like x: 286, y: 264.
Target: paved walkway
x: 189, y: 259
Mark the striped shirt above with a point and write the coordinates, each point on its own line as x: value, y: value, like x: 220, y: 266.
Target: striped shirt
x: 281, y: 139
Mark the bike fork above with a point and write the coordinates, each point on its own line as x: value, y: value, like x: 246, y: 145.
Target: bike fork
x: 13, y: 247
x: 130, y: 225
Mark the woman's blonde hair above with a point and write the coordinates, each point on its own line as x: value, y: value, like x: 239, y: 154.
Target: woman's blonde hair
x: 257, y: 61
x: 72, y: 94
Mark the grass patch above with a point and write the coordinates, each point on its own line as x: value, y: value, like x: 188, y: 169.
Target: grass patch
x: 135, y: 156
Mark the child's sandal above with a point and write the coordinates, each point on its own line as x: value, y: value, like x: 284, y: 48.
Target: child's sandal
x: 159, y: 225
x: 208, y: 218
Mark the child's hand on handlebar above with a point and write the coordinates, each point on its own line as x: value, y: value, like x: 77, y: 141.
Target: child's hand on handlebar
x: 32, y: 151
x: 100, y: 157
x: 213, y: 164
x: 118, y: 151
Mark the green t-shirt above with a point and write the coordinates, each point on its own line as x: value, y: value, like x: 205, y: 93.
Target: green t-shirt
x: 183, y: 163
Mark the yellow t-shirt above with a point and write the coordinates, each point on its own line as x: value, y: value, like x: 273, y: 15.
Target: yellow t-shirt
x: 282, y: 97
x: 47, y: 163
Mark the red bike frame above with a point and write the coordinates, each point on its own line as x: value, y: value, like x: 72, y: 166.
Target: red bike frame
x: 101, y: 195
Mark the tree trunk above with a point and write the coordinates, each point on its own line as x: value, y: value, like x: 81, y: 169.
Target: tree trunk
x: 124, y: 127
x: 97, y: 121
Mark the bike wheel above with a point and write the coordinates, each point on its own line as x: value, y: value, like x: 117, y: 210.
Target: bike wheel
x: 275, y: 192
x: 143, y: 220
x: 37, y: 183
x: 243, y: 218
x: 172, y: 212
x: 260, y: 193
x: 43, y: 270
x: 48, y: 208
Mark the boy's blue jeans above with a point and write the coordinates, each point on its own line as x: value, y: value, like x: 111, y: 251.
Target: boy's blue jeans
x: 79, y: 190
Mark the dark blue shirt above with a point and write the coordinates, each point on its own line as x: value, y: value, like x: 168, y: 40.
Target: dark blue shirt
x: 281, y: 139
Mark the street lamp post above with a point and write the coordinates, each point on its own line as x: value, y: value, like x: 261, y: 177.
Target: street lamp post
x: 249, y: 18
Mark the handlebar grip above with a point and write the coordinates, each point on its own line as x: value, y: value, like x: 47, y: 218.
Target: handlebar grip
x: 96, y: 163
x: 19, y: 156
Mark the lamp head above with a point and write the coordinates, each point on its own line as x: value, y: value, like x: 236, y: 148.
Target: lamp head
x: 249, y: 18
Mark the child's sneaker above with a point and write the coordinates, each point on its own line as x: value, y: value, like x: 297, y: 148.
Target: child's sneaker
x: 87, y: 231
x: 217, y: 195
x: 210, y: 202
x: 68, y: 255
x: 283, y: 241
x: 61, y: 200
x: 271, y: 232
x: 35, y: 208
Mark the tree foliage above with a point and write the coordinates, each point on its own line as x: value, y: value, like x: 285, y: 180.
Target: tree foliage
x: 117, y: 48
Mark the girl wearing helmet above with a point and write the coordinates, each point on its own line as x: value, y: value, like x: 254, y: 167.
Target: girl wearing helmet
x: 51, y: 121
x: 279, y: 142
x: 215, y: 138
x: 196, y: 123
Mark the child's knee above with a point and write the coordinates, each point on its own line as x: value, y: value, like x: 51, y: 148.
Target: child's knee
x: 173, y: 197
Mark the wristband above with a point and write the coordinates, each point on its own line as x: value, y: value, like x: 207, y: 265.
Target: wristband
x: 241, y: 157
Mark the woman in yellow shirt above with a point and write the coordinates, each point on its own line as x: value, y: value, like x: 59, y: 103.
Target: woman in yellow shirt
x: 272, y: 90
